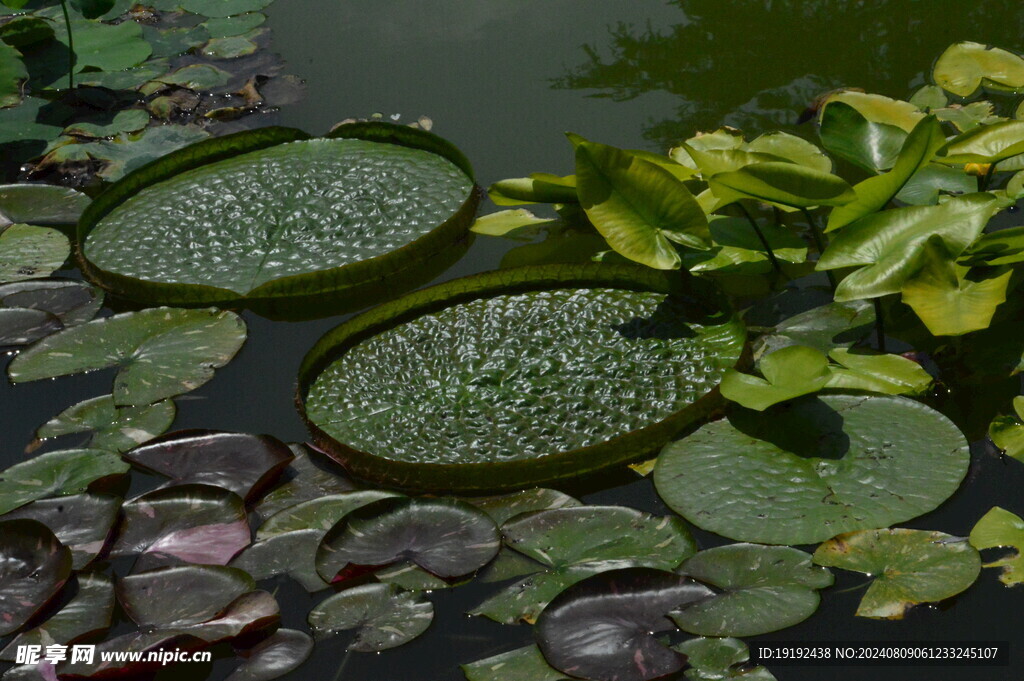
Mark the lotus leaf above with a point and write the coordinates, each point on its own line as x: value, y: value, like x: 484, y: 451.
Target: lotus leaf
x: 714, y: 659
x: 534, y: 349
x: 33, y: 567
x: 29, y: 252
x: 574, y: 543
x: 383, y: 616
x: 159, y: 352
x: 762, y: 589
x: 113, y: 428
x: 82, y: 522
x: 1007, y: 432
x: 521, y: 664
x: 813, y: 469
x: 603, y: 628
x: 908, y: 567
x: 274, y: 656
x: 58, y: 474
x: 272, y: 214
x: 1001, y: 528
x: 966, y: 66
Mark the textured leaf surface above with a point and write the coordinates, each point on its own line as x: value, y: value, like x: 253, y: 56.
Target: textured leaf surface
x: 762, y: 589
x: 82, y: 522
x: 159, y: 352
x: 828, y: 465
x: 1001, y: 528
x: 113, y: 428
x: 383, y: 616
x: 908, y: 567
x: 33, y: 568
x: 57, y: 474
x: 294, y: 208
x: 29, y: 252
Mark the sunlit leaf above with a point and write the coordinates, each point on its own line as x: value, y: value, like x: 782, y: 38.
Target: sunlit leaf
x: 966, y: 66
x: 786, y: 184
x: 716, y: 659
x: 1001, y: 528
x: 57, y: 474
x: 788, y: 372
x: 985, y: 144
x: 1007, y: 432
x: 29, y: 252
x: 503, y: 222
x: 112, y: 428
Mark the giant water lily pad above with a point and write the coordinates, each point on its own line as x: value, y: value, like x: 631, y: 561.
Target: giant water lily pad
x: 522, y: 376
x: 240, y: 462
x: 273, y: 214
x: 188, y: 523
x: 384, y: 616
x: 57, y: 474
x: 33, y: 567
x: 88, y: 613
x: 446, y: 537
x: 1001, y: 528
x: 604, y: 627
x: 574, y: 543
x: 82, y: 522
x: 159, y: 353
x: 804, y: 472
x: 763, y: 588
x: 113, y: 428
x: 908, y: 567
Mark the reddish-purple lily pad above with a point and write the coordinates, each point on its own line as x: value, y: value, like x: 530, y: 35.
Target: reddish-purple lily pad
x: 603, y: 628
x: 240, y: 462
x: 34, y: 566
x: 274, y: 656
x: 184, y: 524
x: 446, y: 537
x: 175, y: 597
x: 82, y: 522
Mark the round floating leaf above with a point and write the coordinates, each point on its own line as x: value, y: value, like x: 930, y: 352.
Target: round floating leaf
x: 543, y: 385
x: 966, y: 66
x: 251, y: 612
x: 604, y: 627
x: 763, y: 588
x: 815, y: 468
x: 446, y: 537
x: 41, y: 204
x: 1000, y: 528
x: 240, y: 462
x: 574, y: 543
x: 28, y: 252
x: 274, y: 656
x: 522, y: 664
x: 383, y: 616
x: 908, y: 567
x: 790, y: 372
x: 58, y: 474
x: 174, y: 597
x: 72, y: 302
x: 639, y: 207
x: 714, y: 659
x: 308, y: 479
x: 33, y: 568
x: 82, y: 522
x: 128, y: 655
x: 237, y: 25
x: 824, y: 328
x: 292, y: 553
x: 113, y: 428
x: 188, y: 523
x: 159, y: 352
x: 87, y: 614
x: 322, y: 513
x: 107, y: 47
x: 505, y: 221
x: 507, y: 506
x: 272, y: 214
x: 13, y: 75
x: 230, y: 47
x: 19, y: 326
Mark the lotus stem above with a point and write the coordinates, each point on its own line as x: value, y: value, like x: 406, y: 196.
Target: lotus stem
x: 820, y: 244
x: 879, y: 324
x: 71, y: 46
x: 764, y: 241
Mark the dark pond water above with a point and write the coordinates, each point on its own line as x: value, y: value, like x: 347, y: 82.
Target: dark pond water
x: 503, y: 79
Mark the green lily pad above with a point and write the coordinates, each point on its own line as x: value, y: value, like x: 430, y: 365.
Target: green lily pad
x: 446, y: 537
x: 521, y: 664
x: 174, y: 597
x: 321, y: 513
x: 26, y: 31
x: 785, y: 184
x: 159, y: 352
x: 967, y: 66
x: 822, y: 328
x: 107, y: 47
x: 575, y: 543
x: 172, y: 42
x: 82, y: 522
x: 231, y: 26
x: 737, y: 247
x: 537, y: 188
x: 274, y: 656
x: 59, y: 474
x: 985, y: 144
x: 272, y: 214
x: 505, y: 221
x: 33, y: 568
x: 1007, y: 432
x: 760, y: 589
x: 61, y: 302
x: 88, y: 613
x: 230, y: 47
x: 504, y: 507
x: 640, y: 208
x: 243, y: 463
x: 789, y: 372
x: 29, y: 252
x: 222, y: 8
x: 13, y: 75
x: 307, y: 478
x: 813, y: 469
x: 908, y: 567
x: 879, y: 373
x: 1001, y: 528
x: 185, y: 524
x: 34, y: 123
x: 383, y: 616
x: 847, y: 133
x: 129, y: 120
x: 715, y: 659
x: 534, y: 392
x: 41, y: 204
x: 113, y: 428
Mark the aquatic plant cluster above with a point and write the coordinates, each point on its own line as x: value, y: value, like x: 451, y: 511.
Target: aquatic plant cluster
x: 717, y: 318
